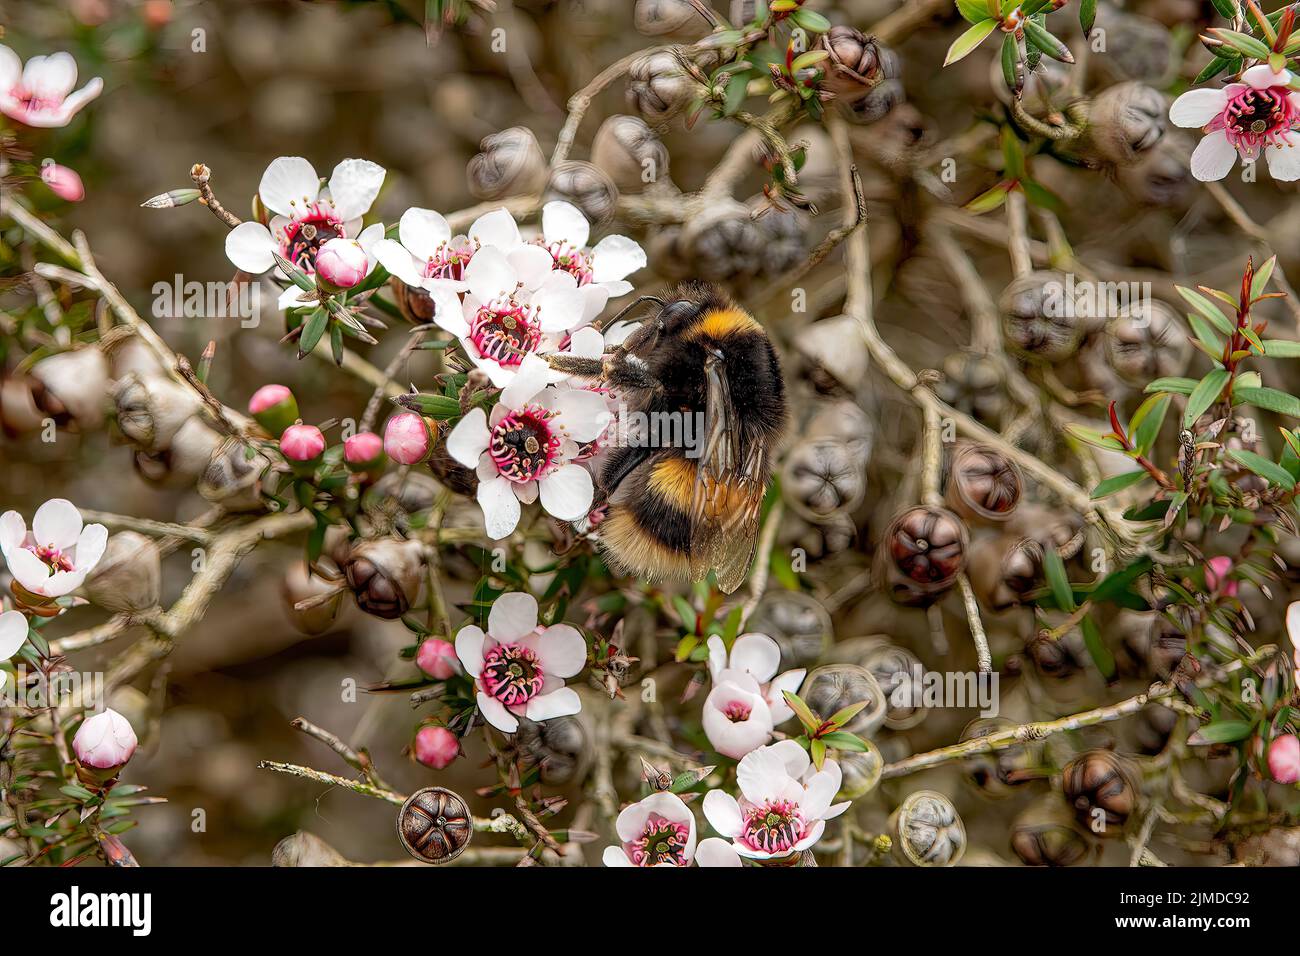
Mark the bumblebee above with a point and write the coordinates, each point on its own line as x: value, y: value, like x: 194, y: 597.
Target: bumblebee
x: 683, y: 508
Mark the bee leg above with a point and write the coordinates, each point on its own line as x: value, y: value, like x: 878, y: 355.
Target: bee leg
x: 577, y: 365
x: 630, y: 372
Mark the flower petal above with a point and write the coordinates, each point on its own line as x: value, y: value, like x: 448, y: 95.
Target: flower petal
x: 1195, y: 108
x: 470, y: 438
x: 513, y: 615
x: 50, y: 77
x: 11, y: 68
x: 394, y: 257
x: 820, y: 790
x: 289, y: 186
x: 758, y: 654
x: 63, y: 582
x: 495, y: 713
x: 557, y: 309
x: 57, y: 524
x: 775, y: 696
x: 448, y: 310
x: 584, y: 414
x: 13, y: 531
x: 558, y: 703
x: 563, y: 222
x: 496, y: 228
x: 500, y: 508
x: 1262, y: 76
x: 615, y: 856
x: 13, y: 633
x: 1283, y: 162
x: 723, y: 813
x: 423, y: 232
x: 762, y: 774
x: 587, y: 343
x: 489, y: 275
x: 715, y: 852
x: 90, y: 547
x: 562, y: 650
x: 529, y: 379
x: 249, y: 246
x: 354, y: 184
x: 616, y: 257
x: 532, y: 264
x: 29, y: 571
x: 567, y: 492
x: 469, y: 648
x: 1213, y: 157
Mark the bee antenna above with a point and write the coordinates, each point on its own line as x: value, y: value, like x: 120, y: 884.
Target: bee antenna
x: 628, y: 308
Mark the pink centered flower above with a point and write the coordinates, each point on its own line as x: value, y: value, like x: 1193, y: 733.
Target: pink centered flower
x: 659, y: 830
x: 519, y: 668
x: 406, y: 438
x: 1284, y: 759
x: 302, y: 443
x: 55, y: 557
x: 784, y: 803
x: 105, y: 741
x: 436, y: 747
x: 40, y: 94
x: 427, y: 256
x: 1256, y: 115
x: 601, y: 271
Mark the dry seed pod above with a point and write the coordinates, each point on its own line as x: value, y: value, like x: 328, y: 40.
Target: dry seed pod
x: 1053, y: 528
x: 1003, y: 569
x: 394, y: 494
x: 560, y: 748
x: 184, y: 460
x: 1145, y: 341
x: 129, y: 575
x: 722, y: 243
x: 1137, y: 48
x: 1279, y: 846
x: 658, y: 87
x: 435, y: 825
x: 304, y: 849
x: 1124, y: 121
x: 860, y: 771
x: 1102, y: 787
x: 1161, y: 176
x: 898, y: 672
x: 922, y: 552
x: 668, y: 18
x: 1040, y: 319
x: 71, y: 387
x: 630, y: 152
x: 832, y: 687
x: 233, y: 477
x: 152, y: 408
x: 1154, y: 725
x: 997, y: 774
x: 797, y: 622
x: 1045, y: 834
x: 416, y: 304
x: 385, y: 575
x: 852, y: 64
x: 585, y: 186
x: 823, y: 477
x: 836, y: 350
x: 785, y: 234
x: 747, y: 11
x: 1051, y: 656
x: 972, y: 383
x: 982, y: 483
x: 927, y: 830
x: 509, y: 163
x: 298, y: 585
x: 885, y: 94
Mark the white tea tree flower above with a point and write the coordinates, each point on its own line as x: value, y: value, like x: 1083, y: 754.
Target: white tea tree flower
x: 13, y: 635
x: 784, y: 803
x: 736, y: 718
x: 519, y: 668
x: 425, y: 254
x: 1293, y: 631
x: 525, y: 450
x: 601, y: 272
x: 40, y: 93
x: 1256, y: 115
x: 306, y: 216
x: 660, y: 831
x: 53, y: 558
x: 759, y: 656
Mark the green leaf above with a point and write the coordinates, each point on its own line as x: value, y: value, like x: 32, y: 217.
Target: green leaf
x: 1054, y: 571
x: 802, y: 711
x: 1013, y: 154
x: 1270, y: 399
x: 988, y: 200
x: 843, y: 740
x: 296, y: 275
x: 1228, y: 9
x: 1090, y: 436
x: 1097, y: 649
x: 1041, y: 38
x: 1208, y: 309
x: 1206, y: 335
x: 312, y: 332
x: 973, y: 11
x: 817, y: 750
x: 969, y: 40
x: 734, y: 97
x: 1260, y: 280
x: 1087, y: 15
x: 1221, y: 732
x: 686, y: 647
x: 1012, y: 75
x: 845, y: 714
x: 1110, y: 486
x: 1204, y: 395
x: 1214, y: 68
x: 1145, y: 425
x: 1281, y: 348
x: 811, y: 20
x: 1264, y: 467
x: 435, y: 406
x: 1179, y: 386
x: 1242, y: 43
x: 1120, y: 582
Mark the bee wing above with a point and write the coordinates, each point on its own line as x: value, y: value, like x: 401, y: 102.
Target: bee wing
x: 729, y: 488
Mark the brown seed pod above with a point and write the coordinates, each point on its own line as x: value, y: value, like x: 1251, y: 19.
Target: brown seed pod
x: 923, y: 550
x: 973, y: 383
x: 586, y: 186
x: 785, y: 236
x: 630, y: 152
x: 70, y: 387
x: 885, y: 94
x: 852, y: 63
x: 435, y: 825
x: 860, y: 771
x: 797, y: 622
x: 1051, y: 656
x: 982, y: 483
x: 1124, y: 121
x: 129, y: 575
x: 1161, y: 176
x: 1040, y: 318
x: 233, y: 478
x: 1054, y: 528
x: 832, y: 687
x: 184, y: 460
x: 837, y: 356
x: 385, y: 575
x: 658, y: 87
x: 560, y: 748
x: 1145, y: 342
x: 1003, y: 569
x: 998, y: 774
x: 416, y: 304
x: 672, y: 18
x: 509, y: 163
x: 1046, y: 835
x: 927, y: 830
x: 298, y: 585
x: 1102, y: 787
x: 898, y: 672
x: 823, y: 477
x: 722, y: 243
x: 152, y: 408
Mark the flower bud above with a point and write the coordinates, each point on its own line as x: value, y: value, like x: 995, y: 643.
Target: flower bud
x: 436, y: 747
x: 363, y: 452
x: 233, y: 477
x: 1284, y: 759
x: 1040, y: 320
x: 274, y: 407
x: 927, y: 831
x: 103, y: 745
x: 302, y: 446
x: 63, y: 182
x: 129, y: 575
x: 630, y: 152
x: 982, y: 483
x: 385, y: 575
x: 407, y: 439
x: 151, y: 409
x: 341, y: 264
x: 1100, y: 780
x: 658, y: 88
x: 509, y: 162
x: 184, y: 460
x: 437, y: 658
x: 586, y: 186
x: 73, y: 386
x: 853, y: 64
x: 1217, y: 570
x: 1124, y: 121
x: 922, y: 552
x: 298, y: 586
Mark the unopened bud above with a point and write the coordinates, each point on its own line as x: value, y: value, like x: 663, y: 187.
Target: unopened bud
x: 407, y: 439
x: 103, y: 745
x: 274, y: 407
x: 436, y: 747
x: 437, y: 658
x: 364, y: 451
x: 1284, y: 759
x: 171, y: 199
x: 302, y: 445
x: 341, y: 264
x: 63, y: 182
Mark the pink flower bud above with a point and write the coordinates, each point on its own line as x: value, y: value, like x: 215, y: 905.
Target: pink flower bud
x: 1217, y: 570
x: 63, y: 182
x: 1284, y: 759
x: 302, y: 443
x: 342, y: 263
x: 364, y: 451
x: 103, y: 744
x: 437, y: 658
x: 406, y: 438
x: 436, y: 747
x: 274, y: 407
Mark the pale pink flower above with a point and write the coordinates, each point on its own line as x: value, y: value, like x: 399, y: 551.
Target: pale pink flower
x: 63, y: 182
x: 758, y: 656
x: 600, y: 271
x: 436, y: 747
x: 427, y: 256
x: 342, y: 263
x: 736, y: 717
x: 1217, y: 570
x: 526, y: 449
x: 105, y: 741
x: 784, y: 803
x: 1253, y: 116
x: 519, y: 668
x: 54, y: 558
x: 659, y: 830
x: 13, y: 634
x: 40, y: 94
x: 1284, y: 759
